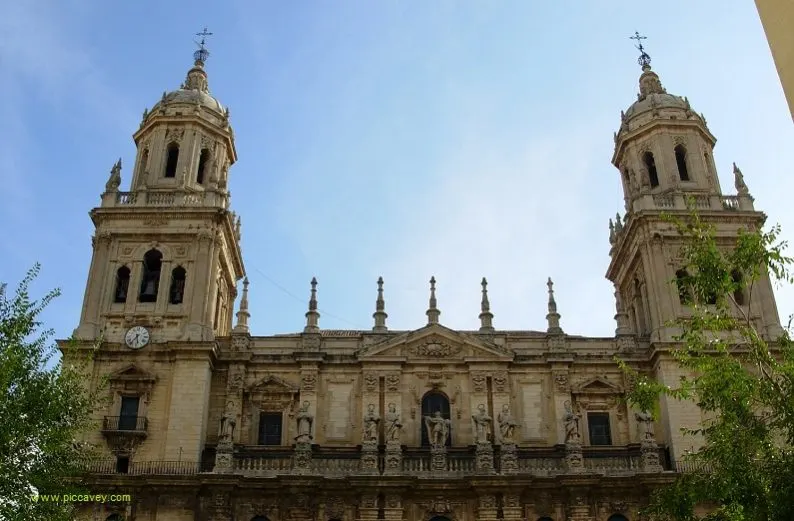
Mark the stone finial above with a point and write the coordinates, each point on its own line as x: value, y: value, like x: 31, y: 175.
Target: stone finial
x: 618, y: 224
x: 114, y: 181
x: 486, y: 317
x: 612, y: 236
x: 243, y: 315
x: 433, y: 312
x: 380, y: 313
x: 738, y: 181
x: 553, y: 318
x: 312, y: 316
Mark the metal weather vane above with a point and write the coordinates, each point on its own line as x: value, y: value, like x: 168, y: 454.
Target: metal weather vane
x: 202, y: 54
x: 644, y: 60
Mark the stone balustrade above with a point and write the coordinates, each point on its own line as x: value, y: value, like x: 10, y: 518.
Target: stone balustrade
x: 615, y: 462
x: 164, y: 199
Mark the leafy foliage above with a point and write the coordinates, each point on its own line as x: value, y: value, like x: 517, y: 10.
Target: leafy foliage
x: 44, y: 406
x: 742, y: 382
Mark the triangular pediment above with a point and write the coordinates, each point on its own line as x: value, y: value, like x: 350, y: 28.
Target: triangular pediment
x: 435, y: 342
x: 131, y: 372
x: 272, y: 384
x: 597, y: 385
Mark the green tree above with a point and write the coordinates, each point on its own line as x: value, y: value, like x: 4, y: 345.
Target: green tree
x: 743, y: 383
x: 44, y: 406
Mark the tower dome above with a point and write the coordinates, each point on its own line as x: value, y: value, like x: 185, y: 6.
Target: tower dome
x: 194, y: 91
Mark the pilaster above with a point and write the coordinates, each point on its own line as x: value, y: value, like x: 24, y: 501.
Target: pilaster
x: 393, y: 507
x: 368, y: 507
x: 487, y: 507
x: 484, y: 458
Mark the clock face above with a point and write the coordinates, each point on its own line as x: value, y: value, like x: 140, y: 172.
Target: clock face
x: 137, y: 337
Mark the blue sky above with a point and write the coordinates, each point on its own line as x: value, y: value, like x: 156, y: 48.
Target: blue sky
x: 406, y: 139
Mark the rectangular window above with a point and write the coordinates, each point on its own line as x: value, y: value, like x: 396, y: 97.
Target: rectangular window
x: 270, y: 428
x: 128, y: 415
x: 598, y: 427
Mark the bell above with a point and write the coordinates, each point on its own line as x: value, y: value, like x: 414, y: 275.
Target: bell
x: 149, y: 289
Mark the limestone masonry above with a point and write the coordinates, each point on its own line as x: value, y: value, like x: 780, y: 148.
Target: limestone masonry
x: 209, y: 422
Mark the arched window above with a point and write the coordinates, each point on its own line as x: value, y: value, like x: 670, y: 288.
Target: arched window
x: 433, y: 402
x: 650, y: 164
x: 680, y: 160
x: 204, y: 159
x: 738, y: 292
x: 172, y: 157
x: 177, y: 291
x: 122, y: 284
x: 114, y: 517
x: 150, y: 281
x: 545, y: 518
x: 259, y: 518
x: 682, y: 281
x: 439, y: 518
x: 617, y: 517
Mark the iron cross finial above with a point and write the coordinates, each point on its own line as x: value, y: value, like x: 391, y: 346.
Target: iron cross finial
x: 202, y: 54
x: 644, y: 60
x: 203, y: 35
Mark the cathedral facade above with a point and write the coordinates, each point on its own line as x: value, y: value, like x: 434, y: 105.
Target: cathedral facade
x: 206, y: 421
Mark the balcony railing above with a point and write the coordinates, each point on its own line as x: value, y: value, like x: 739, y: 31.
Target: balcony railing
x: 135, y: 468
x: 133, y: 424
x: 614, y: 461
x: 165, y: 198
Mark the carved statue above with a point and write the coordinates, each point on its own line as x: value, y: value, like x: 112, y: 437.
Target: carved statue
x: 437, y: 429
x: 507, y: 425
x: 571, y: 420
x: 482, y: 425
x: 228, y: 422
x: 114, y: 181
x: 393, y: 425
x: 738, y: 181
x: 305, y: 420
x: 646, y: 419
x: 371, y: 420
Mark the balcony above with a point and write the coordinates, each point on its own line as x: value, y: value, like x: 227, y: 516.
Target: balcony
x: 612, y: 461
x: 125, y: 425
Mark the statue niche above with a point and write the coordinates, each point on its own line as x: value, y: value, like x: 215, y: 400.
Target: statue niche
x: 435, y: 404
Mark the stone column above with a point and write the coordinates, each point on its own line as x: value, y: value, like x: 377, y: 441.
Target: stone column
x: 368, y: 507
x: 393, y: 509
x: 100, y: 261
x: 486, y: 510
x: 202, y: 280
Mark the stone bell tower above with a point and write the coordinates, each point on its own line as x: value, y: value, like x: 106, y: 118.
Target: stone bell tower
x: 166, y: 253
x: 664, y: 153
